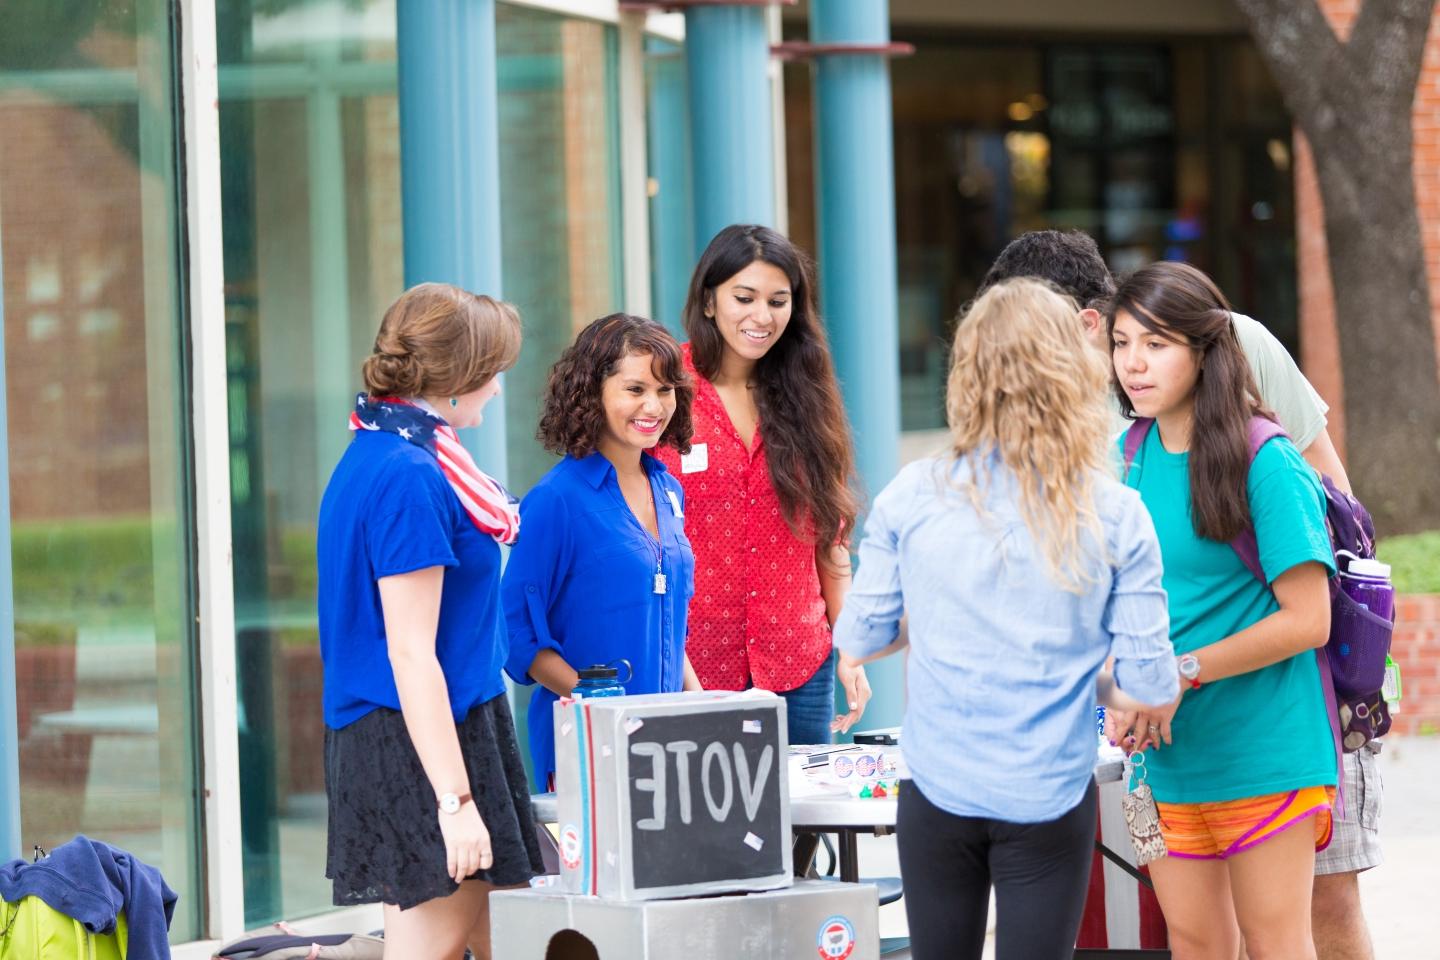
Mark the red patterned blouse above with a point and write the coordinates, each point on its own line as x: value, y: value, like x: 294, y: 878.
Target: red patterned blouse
x: 758, y: 614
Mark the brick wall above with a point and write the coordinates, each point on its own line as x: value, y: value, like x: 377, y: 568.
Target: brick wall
x: 1416, y: 649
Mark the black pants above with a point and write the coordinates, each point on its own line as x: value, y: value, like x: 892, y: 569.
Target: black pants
x: 1040, y: 872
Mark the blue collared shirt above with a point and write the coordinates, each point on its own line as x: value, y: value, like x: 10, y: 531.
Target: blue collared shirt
x: 581, y: 581
x: 999, y: 715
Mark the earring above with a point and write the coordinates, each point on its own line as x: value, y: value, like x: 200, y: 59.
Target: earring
x: 454, y: 403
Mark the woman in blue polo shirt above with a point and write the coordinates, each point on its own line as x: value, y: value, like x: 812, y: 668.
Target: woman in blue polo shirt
x: 428, y: 803
x: 604, y: 572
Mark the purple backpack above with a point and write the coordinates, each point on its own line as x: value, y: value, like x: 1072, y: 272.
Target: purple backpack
x: 1352, y: 662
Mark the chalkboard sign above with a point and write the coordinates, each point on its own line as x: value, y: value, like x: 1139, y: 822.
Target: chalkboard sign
x: 672, y: 795
x: 705, y: 798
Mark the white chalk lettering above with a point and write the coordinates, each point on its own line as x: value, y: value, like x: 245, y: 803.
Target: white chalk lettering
x: 682, y: 750
x: 750, y: 792
x: 653, y: 784
x: 714, y: 752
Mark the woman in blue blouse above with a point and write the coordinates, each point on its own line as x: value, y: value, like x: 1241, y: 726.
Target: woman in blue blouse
x: 1022, y: 565
x: 604, y: 572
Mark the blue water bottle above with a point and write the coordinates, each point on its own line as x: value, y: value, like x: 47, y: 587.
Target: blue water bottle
x: 601, y: 680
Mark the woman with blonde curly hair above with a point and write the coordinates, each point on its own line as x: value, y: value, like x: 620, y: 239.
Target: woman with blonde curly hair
x: 1020, y: 566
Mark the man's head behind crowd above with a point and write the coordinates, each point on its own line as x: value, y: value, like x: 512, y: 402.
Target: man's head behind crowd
x: 1067, y: 258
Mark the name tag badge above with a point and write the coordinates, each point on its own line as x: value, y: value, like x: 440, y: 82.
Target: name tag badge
x: 696, y: 461
x: 675, y: 503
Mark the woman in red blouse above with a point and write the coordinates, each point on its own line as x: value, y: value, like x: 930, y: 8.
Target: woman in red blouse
x: 769, y: 506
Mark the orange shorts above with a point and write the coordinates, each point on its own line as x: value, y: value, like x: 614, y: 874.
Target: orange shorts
x: 1214, y: 831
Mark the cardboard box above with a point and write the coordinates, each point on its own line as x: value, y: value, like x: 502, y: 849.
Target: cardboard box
x: 813, y: 918
x: 672, y: 795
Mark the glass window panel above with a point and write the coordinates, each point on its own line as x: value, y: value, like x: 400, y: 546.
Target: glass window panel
x: 96, y: 382
x: 560, y: 201
x: 313, y: 255
x: 310, y: 180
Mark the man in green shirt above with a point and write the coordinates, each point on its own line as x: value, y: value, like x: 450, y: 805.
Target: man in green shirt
x: 1072, y: 261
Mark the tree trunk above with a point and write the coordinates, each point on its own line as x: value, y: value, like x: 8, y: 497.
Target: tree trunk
x: 1354, y: 103
x: 1387, y: 335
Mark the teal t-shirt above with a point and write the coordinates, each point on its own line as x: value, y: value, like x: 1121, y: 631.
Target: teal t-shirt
x: 1261, y: 732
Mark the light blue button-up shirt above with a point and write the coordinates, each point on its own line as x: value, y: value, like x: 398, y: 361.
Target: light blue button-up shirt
x: 999, y: 717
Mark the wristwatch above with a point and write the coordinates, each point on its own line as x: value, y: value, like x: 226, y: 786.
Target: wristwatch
x: 1190, y: 670
x: 450, y: 803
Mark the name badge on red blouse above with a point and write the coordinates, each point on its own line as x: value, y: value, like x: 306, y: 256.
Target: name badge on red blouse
x: 697, y: 460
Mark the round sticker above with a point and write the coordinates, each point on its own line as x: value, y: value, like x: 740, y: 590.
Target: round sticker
x: 865, y: 765
x: 844, y: 766
x: 836, y: 939
x: 570, y: 846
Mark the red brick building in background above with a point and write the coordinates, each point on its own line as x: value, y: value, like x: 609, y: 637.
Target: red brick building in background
x: 1417, y: 639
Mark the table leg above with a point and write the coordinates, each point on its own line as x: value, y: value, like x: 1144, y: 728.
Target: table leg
x: 803, y: 854
x: 849, y: 855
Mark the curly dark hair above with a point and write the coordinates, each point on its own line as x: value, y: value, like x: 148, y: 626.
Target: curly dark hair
x: 572, y: 416
x: 1067, y: 258
x: 807, y: 437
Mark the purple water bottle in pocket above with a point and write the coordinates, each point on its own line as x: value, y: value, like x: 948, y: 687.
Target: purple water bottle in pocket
x: 1367, y: 582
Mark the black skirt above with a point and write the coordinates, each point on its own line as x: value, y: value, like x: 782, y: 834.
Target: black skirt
x: 385, y: 843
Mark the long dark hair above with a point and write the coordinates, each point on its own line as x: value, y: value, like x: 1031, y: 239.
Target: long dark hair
x: 1183, y: 305
x: 807, y: 438
x: 572, y: 414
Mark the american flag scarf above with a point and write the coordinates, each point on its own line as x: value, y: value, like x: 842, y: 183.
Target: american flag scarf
x: 491, y: 507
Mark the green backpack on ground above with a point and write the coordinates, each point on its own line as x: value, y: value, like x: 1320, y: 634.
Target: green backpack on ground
x: 31, y: 930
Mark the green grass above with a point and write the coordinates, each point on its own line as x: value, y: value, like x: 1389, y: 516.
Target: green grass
x: 1414, y: 560
x: 105, y: 570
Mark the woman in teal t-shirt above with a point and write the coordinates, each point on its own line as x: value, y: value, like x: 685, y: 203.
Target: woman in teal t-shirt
x: 1242, y: 764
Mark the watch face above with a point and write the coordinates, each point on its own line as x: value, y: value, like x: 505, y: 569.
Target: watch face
x: 1189, y: 667
x: 450, y: 803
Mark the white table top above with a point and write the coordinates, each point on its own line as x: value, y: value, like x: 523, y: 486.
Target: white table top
x: 843, y: 811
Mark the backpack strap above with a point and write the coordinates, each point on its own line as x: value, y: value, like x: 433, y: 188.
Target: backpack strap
x: 1260, y: 432
x: 1134, y: 440
x: 1350, y: 525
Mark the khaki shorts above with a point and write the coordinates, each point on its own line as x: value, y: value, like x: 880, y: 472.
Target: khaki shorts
x: 1355, y: 845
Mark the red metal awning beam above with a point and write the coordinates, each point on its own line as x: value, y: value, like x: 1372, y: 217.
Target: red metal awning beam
x: 805, y: 50
x: 642, y: 6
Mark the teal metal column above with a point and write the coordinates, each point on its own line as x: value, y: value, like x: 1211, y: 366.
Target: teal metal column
x: 10, y: 843
x: 672, y: 223
x: 855, y: 220
x: 450, y: 164
x: 727, y: 53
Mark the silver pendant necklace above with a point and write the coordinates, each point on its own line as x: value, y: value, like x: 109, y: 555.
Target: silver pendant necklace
x: 659, y: 584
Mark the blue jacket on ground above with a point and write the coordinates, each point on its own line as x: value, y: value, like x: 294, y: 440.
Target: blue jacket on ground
x: 92, y: 882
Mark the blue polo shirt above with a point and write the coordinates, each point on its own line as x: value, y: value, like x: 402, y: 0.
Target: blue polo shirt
x: 581, y: 581
x: 389, y: 510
